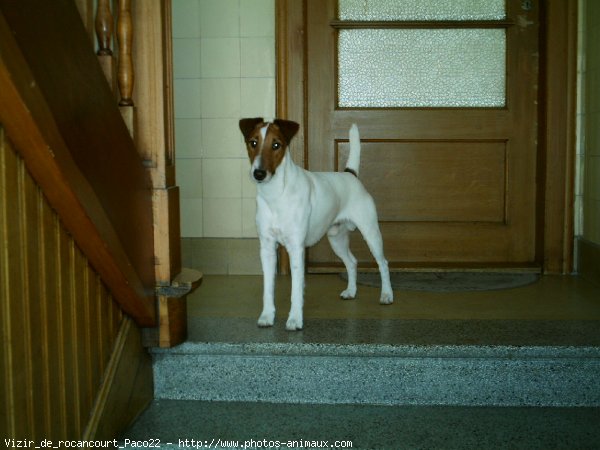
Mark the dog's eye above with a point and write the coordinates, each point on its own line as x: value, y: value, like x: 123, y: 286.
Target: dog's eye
x: 253, y: 143
x: 276, y: 146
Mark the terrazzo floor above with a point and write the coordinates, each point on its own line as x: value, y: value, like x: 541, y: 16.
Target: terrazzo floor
x: 366, y: 427
x: 555, y: 311
x: 552, y: 298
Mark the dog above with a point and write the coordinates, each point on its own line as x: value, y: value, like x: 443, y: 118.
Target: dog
x: 296, y: 208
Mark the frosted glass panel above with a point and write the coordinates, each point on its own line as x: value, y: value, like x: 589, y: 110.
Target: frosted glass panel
x: 421, y: 67
x: 421, y: 10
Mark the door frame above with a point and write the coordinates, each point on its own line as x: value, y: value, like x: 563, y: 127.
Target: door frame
x: 557, y: 117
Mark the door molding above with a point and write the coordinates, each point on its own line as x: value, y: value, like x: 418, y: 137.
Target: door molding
x: 290, y: 54
x: 557, y: 133
x: 556, y: 151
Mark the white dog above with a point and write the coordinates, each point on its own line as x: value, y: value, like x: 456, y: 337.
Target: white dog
x: 296, y: 208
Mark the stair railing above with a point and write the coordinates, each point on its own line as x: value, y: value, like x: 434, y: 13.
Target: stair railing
x: 117, y: 65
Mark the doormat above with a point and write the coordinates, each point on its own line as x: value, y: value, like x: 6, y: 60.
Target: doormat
x: 448, y: 281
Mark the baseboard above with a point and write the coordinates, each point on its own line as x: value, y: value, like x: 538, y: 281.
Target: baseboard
x: 588, y: 260
x: 222, y: 256
x: 127, y: 386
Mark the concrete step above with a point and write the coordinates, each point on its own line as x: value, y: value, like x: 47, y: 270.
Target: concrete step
x: 418, y: 363
x: 181, y: 424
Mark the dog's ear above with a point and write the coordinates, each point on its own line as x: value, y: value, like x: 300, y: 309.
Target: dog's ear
x: 287, y: 128
x: 248, y: 125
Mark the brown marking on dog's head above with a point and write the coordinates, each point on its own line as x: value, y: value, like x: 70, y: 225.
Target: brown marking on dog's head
x: 269, y: 141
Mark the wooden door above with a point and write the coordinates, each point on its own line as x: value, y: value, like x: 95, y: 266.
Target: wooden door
x: 454, y: 182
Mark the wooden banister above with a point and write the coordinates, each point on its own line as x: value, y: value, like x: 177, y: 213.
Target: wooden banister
x: 150, y: 121
x: 60, y: 114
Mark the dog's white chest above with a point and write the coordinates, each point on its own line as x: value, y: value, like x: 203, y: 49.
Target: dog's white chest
x: 271, y: 222
x: 277, y: 233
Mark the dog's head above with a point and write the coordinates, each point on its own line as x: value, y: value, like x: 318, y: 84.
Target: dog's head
x: 266, y: 143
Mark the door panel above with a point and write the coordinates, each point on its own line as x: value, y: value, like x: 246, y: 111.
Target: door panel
x: 451, y: 184
x: 434, y: 181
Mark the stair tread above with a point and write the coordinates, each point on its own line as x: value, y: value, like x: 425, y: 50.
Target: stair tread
x: 379, y: 350
x: 368, y: 426
x: 386, y: 362
x: 423, y: 332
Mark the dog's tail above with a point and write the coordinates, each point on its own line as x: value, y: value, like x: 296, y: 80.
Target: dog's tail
x: 353, y: 162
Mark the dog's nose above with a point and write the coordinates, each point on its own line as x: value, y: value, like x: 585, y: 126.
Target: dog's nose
x: 260, y: 174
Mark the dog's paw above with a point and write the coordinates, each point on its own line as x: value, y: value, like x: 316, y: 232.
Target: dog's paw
x: 293, y: 323
x: 348, y: 294
x: 266, y: 320
x: 387, y: 298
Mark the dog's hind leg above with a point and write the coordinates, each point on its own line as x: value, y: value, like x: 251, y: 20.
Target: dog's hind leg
x: 339, y: 239
x: 369, y: 228
x: 375, y: 243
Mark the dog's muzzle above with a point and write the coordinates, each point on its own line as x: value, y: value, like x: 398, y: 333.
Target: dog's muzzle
x: 259, y: 174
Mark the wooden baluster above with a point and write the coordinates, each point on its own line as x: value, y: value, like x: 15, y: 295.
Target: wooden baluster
x: 125, y: 37
x: 104, y: 27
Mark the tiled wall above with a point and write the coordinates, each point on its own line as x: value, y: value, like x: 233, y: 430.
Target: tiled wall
x: 224, y: 68
x: 589, y: 142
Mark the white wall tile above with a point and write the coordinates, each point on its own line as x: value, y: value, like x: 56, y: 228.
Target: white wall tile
x: 186, y: 18
x: 189, y: 177
x: 191, y: 217
x: 224, y: 66
x: 221, y: 138
x: 592, y: 174
x: 186, y: 58
x: 220, y: 98
x: 249, y: 217
x: 591, y: 220
x: 220, y: 58
x: 187, y: 99
x: 258, y: 57
x: 188, y: 138
x: 592, y: 90
x: 219, y: 18
x: 222, y: 217
x: 589, y: 166
x: 221, y: 178
x: 248, y: 186
x: 256, y: 18
x: 592, y: 130
x: 258, y: 97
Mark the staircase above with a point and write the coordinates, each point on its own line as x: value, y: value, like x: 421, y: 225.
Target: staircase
x: 379, y: 384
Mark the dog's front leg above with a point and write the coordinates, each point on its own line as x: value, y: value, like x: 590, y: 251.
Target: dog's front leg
x: 296, y: 253
x: 268, y: 258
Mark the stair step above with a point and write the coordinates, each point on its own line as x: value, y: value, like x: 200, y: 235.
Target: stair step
x: 175, y: 423
x: 365, y: 370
